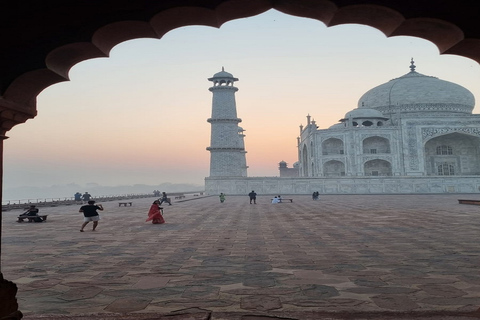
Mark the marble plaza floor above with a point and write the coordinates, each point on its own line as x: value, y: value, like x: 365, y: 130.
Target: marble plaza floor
x: 343, y: 257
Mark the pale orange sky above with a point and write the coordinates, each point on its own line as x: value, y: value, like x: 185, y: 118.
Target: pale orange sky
x: 139, y: 116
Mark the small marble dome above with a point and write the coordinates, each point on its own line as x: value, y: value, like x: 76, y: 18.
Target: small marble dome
x: 223, y: 74
x: 337, y: 126
x: 223, y: 78
x: 364, y: 114
x: 417, y: 92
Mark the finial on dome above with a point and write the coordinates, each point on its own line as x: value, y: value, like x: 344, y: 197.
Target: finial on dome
x: 223, y: 69
x: 412, y: 66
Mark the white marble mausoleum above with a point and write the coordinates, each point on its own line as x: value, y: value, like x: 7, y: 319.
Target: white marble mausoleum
x: 412, y: 134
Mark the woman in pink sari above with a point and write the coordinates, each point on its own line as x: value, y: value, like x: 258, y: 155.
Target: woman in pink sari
x: 155, y: 214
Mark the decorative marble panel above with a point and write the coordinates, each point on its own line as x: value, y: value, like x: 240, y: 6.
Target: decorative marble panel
x: 428, y: 133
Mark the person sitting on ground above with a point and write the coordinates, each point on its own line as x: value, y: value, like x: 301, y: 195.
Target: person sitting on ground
x: 31, y: 212
x: 155, y: 213
x: 222, y: 197
x: 275, y: 200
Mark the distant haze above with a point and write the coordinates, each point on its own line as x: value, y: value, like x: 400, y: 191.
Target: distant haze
x: 67, y: 191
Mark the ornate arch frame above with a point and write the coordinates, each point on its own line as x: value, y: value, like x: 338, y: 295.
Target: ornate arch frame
x: 42, y: 41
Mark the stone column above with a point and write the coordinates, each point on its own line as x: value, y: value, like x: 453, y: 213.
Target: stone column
x: 8, y: 289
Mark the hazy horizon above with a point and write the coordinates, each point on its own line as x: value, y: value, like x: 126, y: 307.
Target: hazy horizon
x: 95, y: 189
x: 139, y: 116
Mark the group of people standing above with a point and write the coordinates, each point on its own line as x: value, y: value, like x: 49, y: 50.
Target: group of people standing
x: 252, y: 195
x: 82, y: 197
x: 90, y: 213
x: 277, y: 199
x: 155, y: 213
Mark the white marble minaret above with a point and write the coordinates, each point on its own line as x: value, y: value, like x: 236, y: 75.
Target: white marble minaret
x: 227, y: 148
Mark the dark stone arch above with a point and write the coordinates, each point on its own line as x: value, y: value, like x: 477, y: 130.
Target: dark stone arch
x: 42, y: 40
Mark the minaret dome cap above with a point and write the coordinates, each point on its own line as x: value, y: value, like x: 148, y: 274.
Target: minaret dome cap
x: 223, y: 74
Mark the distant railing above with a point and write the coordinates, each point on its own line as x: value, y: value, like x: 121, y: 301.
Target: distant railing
x: 53, y: 202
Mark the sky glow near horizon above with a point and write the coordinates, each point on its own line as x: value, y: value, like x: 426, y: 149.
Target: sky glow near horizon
x: 139, y: 116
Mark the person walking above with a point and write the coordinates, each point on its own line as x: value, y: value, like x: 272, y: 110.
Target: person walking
x: 222, y: 197
x: 90, y: 214
x: 165, y: 199
x: 253, y: 197
x: 155, y: 213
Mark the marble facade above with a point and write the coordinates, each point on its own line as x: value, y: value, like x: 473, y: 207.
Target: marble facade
x: 413, y: 134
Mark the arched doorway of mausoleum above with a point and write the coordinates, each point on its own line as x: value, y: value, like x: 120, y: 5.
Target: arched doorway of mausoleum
x: 377, y: 167
x: 332, y: 146
x: 376, y: 145
x: 452, y: 154
x: 305, y: 161
x: 333, y: 168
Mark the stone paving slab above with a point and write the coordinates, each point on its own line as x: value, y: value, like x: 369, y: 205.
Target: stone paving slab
x: 343, y: 257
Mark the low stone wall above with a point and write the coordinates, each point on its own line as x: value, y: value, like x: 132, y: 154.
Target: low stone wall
x: 67, y: 202
x: 20, y: 204
x: 343, y: 185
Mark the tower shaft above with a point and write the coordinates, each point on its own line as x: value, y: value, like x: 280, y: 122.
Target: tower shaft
x: 227, y: 148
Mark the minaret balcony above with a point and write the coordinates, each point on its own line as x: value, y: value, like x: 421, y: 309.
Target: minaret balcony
x: 217, y: 88
x: 225, y: 149
x: 236, y: 120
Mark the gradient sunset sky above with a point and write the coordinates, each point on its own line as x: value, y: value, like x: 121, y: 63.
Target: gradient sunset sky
x: 139, y: 116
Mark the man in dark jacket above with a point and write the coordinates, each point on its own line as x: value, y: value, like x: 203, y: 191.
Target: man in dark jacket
x: 90, y: 214
x: 253, y: 197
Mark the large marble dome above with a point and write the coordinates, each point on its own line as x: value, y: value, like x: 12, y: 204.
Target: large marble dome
x: 415, y: 92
